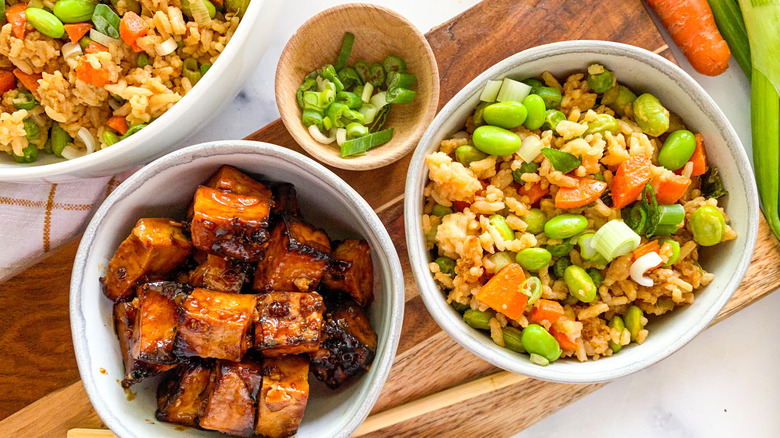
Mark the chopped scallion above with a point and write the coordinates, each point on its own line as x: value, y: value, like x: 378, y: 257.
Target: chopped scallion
x: 512, y: 90
x: 615, y: 239
x: 346, y: 50
x: 490, y: 92
x: 362, y: 144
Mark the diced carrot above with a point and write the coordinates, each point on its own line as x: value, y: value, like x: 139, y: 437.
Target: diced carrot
x: 564, y: 341
x: 95, y: 76
x: 647, y: 248
x: 699, y: 157
x: 586, y: 191
x: 7, y: 81
x: 131, y: 28
x: 629, y: 180
x: 460, y: 205
x: 118, y: 124
x: 535, y: 192
x: 76, y: 31
x: 672, y: 189
x: 546, y: 310
x: 30, y: 82
x: 502, y: 292
x: 15, y: 15
x: 94, y: 47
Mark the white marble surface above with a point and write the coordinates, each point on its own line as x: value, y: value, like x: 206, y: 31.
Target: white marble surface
x: 724, y: 383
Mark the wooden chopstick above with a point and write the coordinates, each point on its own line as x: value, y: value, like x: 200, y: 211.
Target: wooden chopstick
x: 398, y: 414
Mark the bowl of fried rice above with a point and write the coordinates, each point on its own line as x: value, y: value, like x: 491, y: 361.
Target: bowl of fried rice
x: 92, y: 88
x: 579, y: 211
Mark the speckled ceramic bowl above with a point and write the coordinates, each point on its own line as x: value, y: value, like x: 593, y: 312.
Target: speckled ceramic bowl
x: 165, y: 188
x: 640, y: 70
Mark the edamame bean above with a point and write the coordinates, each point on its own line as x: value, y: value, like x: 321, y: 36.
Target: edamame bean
x: 616, y: 323
x: 564, y: 226
x: 211, y: 8
x: 440, y: 210
x: 460, y: 308
x: 517, y: 174
x: 562, y: 249
x: 600, y: 82
x: 580, y: 284
x: 536, y: 340
x: 535, y: 84
x: 707, y: 225
x: 596, y: 276
x: 73, y: 11
x: 501, y: 226
x: 551, y: 119
x: 551, y: 96
x: 675, y: 251
x: 29, y: 154
x: 677, y: 149
x: 534, y: 104
x: 603, y: 123
x: 31, y: 129
x: 650, y: 115
x: 501, y: 259
x: 535, y: 220
x: 493, y: 140
x: 508, y: 115
x: 45, y: 22
x: 478, y: 111
x: 467, y: 154
x: 633, y: 320
x: 237, y: 6
x: 478, y: 320
x: 446, y: 265
x: 559, y: 268
x: 675, y: 123
x: 59, y: 139
x: 512, y: 338
x: 617, y: 98
x: 534, y: 259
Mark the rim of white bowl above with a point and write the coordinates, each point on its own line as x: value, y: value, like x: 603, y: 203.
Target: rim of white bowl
x: 156, y: 129
x: 417, y: 175
x: 182, y: 157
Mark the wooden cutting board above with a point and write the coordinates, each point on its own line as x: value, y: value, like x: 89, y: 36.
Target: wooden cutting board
x: 38, y: 369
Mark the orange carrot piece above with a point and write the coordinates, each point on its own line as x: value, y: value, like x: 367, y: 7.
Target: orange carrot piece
x: 535, y: 193
x: 7, y: 81
x: 672, y: 189
x: 502, y: 292
x: 118, y: 124
x: 15, y: 15
x: 546, y: 310
x: 94, y: 47
x: 564, y: 341
x: 460, y: 205
x: 647, y: 248
x: 692, y: 26
x: 30, y: 82
x: 629, y: 180
x: 699, y: 157
x: 95, y: 76
x: 131, y: 28
x: 586, y: 191
x: 76, y: 31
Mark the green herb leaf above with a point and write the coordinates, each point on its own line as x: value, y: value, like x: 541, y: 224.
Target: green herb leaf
x: 563, y: 162
x: 712, y: 184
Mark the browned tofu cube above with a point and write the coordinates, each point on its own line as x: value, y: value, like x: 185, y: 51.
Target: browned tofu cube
x: 135, y: 370
x: 285, y: 199
x: 232, y: 403
x: 283, y: 396
x: 288, y: 323
x: 353, y: 272
x: 157, y: 320
x: 182, y: 396
x: 348, y: 344
x: 154, y: 248
x: 296, y: 257
x: 220, y: 274
x: 229, y: 224
x: 215, y: 324
x: 230, y: 179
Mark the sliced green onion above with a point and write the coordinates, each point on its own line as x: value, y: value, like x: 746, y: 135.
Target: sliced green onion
x: 329, y: 73
x: 204, y: 68
x: 133, y: 130
x: 346, y: 50
x: 199, y: 11
x: 341, y: 136
x: 349, y: 77
x: 512, y: 90
x: 728, y: 17
x: 352, y: 100
x: 490, y: 92
x: 336, y: 112
x: 636, y: 218
x: 305, y: 87
x: 362, y: 144
x: 675, y: 251
x: 354, y: 116
x: 317, y: 135
x: 311, y: 117
x: 109, y: 138
x: 400, y: 95
x: 587, y: 250
x: 615, y: 239
x: 191, y: 70
x: 106, y: 21
x: 31, y: 129
x: 665, y: 230
x: 369, y: 112
x: 501, y: 259
x: 530, y: 148
x: 394, y: 64
x: 379, y: 99
x: 673, y: 214
x: 563, y: 162
x: 400, y: 80
x: 24, y: 100
x: 653, y: 214
x: 368, y: 90
x: 327, y: 97
x: 355, y: 130
x: 363, y: 71
x: 327, y: 123
x: 376, y: 74
x: 311, y: 100
x: 532, y: 287
x: 380, y: 119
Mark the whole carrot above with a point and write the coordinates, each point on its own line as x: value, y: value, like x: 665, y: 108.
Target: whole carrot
x: 692, y: 27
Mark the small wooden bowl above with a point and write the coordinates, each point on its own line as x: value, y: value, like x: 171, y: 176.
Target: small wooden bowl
x: 379, y: 32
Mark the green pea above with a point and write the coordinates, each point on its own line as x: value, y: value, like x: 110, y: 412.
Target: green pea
x: 559, y: 268
x: 562, y: 249
x: 237, y: 6
x: 708, y: 225
x: 675, y: 251
x: 45, y: 22
x: 109, y: 138
x: 467, y: 154
x: 59, y: 139
x: 534, y: 259
x: 506, y: 115
x: 536, y: 111
x: 603, y: 123
x: 530, y: 167
x: 536, y: 340
x: 580, y: 284
x: 460, y: 308
x: 478, y: 320
x: 31, y: 129
x: 599, y: 176
x: 535, y: 220
x: 512, y: 339
x: 601, y: 82
x: 677, y: 149
x: 551, y: 119
x: 616, y: 323
x: 204, y: 68
x: 478, y: 111
x: 440, y: 210
x: 74, y: 11
x: 551, y: 96
x: 446, y: 265
x: 501, y: 226
x: 633, y: 320
x: 650, y: 115
x: 493, y: 140
x: 29, y: 154
x: 142, y: 60
x: 501, y: 259
x: 596, y: 276
x: 564, y: 226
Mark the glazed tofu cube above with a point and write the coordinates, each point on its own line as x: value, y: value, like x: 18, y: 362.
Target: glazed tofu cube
x: 232, y: 403
x: 229, y: 224
x: 348, y: 344
x: 353, y: 273
x: 215, y: 324
x: 156, y: 321
x: 285, y: 199
x: 220, y: 274
x: 229, y: 179
x: 182, y: 396
x: 288, y: 323
x: 283, y: 396
x: 155, y: 247
x: 296, y: 257
x: 135, y: 370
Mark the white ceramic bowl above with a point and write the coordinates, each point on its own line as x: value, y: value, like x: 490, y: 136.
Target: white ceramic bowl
x: 164, y: 188
x: 640, y: 70
x: 223, y: 81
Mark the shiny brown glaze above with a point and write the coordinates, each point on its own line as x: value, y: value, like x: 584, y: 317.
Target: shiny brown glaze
x: 221, y: 274
x: 157, y: 320
x: 232, y: 404
x: 285, y: 199
x: 353, y: 272
x: 288, y: 323
x: 183, y: 395
x: 135, y: 370
x: 230, y: 179
x: 283, y: 396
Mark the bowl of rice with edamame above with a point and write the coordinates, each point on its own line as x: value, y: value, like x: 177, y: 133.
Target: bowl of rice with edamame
x: 578, y: 212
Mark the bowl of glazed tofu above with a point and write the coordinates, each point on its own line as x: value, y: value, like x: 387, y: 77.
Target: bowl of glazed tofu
x: 235, y: 288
